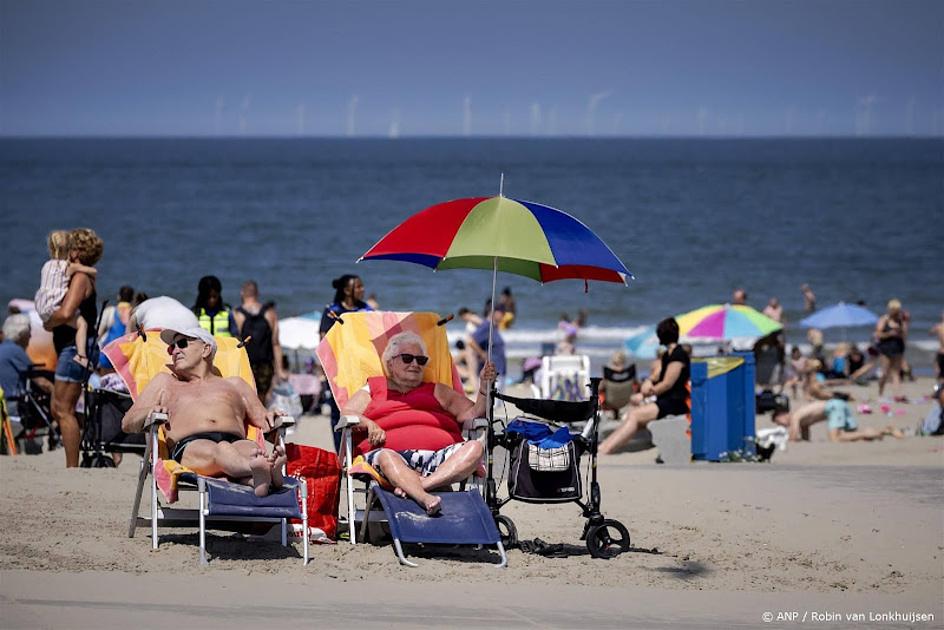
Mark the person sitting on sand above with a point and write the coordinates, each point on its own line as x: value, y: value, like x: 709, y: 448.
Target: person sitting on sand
x: 207, y: 415
x: 670, y: 390
x: 414, y: 429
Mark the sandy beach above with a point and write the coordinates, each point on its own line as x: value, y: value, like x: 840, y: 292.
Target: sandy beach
x: 824, y: 527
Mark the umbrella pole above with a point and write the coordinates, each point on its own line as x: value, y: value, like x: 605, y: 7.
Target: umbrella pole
x: 491, y: 318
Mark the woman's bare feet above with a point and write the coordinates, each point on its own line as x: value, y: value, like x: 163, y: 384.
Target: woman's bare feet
x: 400, y: 492
x: 261, y: 474
x: 276, y: 461
x: 431, y: 503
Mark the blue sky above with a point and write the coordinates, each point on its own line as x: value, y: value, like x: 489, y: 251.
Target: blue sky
x: 231, y: 67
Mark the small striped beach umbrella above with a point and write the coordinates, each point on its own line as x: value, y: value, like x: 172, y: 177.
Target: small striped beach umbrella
x: 726, y: 321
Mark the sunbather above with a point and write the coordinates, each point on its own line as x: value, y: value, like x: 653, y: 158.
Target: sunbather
x: 842, y: 423
x: 206, y: 430
x: 414, y: 429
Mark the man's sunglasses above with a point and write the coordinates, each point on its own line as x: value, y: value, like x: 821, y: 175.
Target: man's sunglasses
x: 408, y: 358
x: 182, y: 344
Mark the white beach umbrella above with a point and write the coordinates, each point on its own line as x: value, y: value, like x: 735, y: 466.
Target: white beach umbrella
x: 298, y: 333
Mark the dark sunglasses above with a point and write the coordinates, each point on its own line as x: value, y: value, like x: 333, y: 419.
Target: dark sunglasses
x: 182, y: 344
x: 408, y: 358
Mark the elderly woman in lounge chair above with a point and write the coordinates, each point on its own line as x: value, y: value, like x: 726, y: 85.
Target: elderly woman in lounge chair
x: 414, y: 429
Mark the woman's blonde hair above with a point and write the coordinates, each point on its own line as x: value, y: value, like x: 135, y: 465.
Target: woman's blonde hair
x: 88, y: 244
x: 59, y: 243
x: 894, y: 304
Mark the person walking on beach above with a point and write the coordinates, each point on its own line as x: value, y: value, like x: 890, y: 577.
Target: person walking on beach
x: 891, y: 330
x: 213, y: 315
x: 809, y: 298
x: 774, y: 310
x: 86, y: 248
x: 670, y: 390
x: 258, y: 325
x: 938, y: 329
x: 348, y: 298
x: 506, y: 302
x: 478, y: 342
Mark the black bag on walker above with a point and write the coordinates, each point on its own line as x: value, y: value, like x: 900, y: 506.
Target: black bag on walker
x: 541, y: 475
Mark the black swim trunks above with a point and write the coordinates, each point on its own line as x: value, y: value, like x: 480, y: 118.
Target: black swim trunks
x: 213, y: 436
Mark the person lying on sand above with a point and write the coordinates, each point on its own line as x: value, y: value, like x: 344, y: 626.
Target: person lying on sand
x: 842, y: 423
x: 206, y: 429
x: 414, y: 429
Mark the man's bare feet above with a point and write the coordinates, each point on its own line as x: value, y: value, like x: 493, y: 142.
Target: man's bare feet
x: 261, y: 473
x: 276, y: 461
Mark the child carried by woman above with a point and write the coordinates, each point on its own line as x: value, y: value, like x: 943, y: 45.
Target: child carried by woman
x: 54, y: 281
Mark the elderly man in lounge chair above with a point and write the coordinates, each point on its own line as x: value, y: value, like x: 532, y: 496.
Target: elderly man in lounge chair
x: 207, y: 415
x: 414, y: 429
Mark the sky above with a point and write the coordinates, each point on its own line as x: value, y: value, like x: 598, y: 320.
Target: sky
x: 449, y: 68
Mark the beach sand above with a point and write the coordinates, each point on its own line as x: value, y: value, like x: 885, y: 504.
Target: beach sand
x: 841, y: 528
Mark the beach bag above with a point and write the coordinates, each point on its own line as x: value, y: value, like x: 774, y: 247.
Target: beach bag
x: 322, y: 473
x: 545, y: 475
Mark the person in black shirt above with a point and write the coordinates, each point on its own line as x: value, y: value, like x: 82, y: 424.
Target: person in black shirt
x: 348, y: 298
x: 670, y: 390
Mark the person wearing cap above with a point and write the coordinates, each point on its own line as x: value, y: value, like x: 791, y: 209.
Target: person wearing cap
x: 207, y: 415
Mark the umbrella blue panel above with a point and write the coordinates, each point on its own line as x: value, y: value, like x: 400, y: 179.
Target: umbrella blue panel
x: 840, y: 315
x: 572, y: 242
x: 643, y: 345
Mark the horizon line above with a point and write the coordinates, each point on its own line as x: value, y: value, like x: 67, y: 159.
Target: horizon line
x: 539, y: 138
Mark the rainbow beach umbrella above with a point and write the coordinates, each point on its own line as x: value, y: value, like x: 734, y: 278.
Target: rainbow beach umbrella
x: 726, y: 321
x: 502, y: 234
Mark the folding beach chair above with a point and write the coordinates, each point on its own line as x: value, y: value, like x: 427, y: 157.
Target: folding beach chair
x: 351, y: 354
x: 222, y: 505
x: 565, y: 377
x: 617, y: 387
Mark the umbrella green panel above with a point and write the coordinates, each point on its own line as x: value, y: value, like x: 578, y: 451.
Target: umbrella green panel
x: 499, y: 228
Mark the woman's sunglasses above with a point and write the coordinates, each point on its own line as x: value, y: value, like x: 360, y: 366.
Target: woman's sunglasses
x: 408, y: 358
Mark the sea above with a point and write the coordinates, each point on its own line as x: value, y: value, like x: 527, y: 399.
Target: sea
x: 693, y: 219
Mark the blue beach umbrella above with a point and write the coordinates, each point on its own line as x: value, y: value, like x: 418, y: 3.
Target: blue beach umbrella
x: 841, y: 315
x: 644, y: 344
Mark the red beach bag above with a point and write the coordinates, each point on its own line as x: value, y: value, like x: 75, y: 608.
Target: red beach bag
x: 322, y: 471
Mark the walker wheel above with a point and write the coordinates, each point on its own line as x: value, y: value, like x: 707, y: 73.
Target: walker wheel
x: 103, y: 461
x: 507, y: 531
x: 608, y: 539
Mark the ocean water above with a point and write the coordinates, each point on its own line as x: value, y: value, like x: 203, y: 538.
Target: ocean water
x: 692, y: 219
